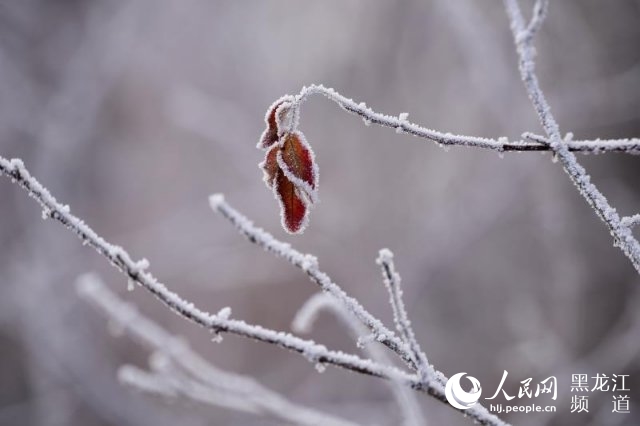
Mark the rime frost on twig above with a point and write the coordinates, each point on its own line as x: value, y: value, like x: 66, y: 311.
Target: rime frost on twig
x: 402, y: 125
x: 303, y: 323
x: 145, y: 381
x: 16, y: 171
x: 596, y: 146
x: 118, y: 257
x: 621, y: 232
x: 178, y: 370
x: 401, y: 318
x: 309, y: 265
x: 540, y: 10
x: 631, y: 221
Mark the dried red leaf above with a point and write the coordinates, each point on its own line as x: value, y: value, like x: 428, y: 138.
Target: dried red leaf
x: 270, y: 165
x: 270, y: 134
x: 298, y: 158
x: 294, y: 208
x: 289, y: 166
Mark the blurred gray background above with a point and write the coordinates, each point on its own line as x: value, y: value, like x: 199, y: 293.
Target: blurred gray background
x: 133, y: 112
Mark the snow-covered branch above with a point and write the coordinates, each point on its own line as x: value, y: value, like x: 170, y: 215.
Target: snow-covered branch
x: 220, y: 323
x: 178, y: 370
x: 502, y: 144
x: 401, y: 318
x: 523, y: 37
x: 631, y: 221
x: 309, y: 264
x: 303, y: 323
x: 596, y: 146
x: 540, y: 10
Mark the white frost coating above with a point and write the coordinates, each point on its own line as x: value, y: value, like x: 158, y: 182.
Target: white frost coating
x: 240, y: 392
x: 224, y: 313
x: 382, y: 334
x: 119, y: 258
x: 597, y: 146
x: 402, y: 125
x: 15, y: 170
x: 307, y: 315
x: 392, y: 282
x: 631, y: 221
x: 309, y: 262
x: 302, y: 261
x: 523, y: 37
x: 284, y: 99
x: 312, y: 192
x: 142, y: 264
x: 300, y: 194
x: 144, y: 381
x: 215, y: 200
x: 364, y: 340
x: 286, y: 115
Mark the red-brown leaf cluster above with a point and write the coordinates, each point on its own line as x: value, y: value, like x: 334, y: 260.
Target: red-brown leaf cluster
x: 289, y: 167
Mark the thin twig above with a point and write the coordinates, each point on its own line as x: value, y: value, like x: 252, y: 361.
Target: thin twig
x: 596, y: 146
x: 631, y: 221
x: 309, y: 264
x: 16, y: 171
x: 502, y: 144
x: 540, y: 10
x: 622, y: 236
x: 304, y: 320
x: 134, y: 271
x: 392, y: 282
x: 231, y: 390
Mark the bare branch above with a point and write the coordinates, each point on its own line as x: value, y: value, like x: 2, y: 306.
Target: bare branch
x: 596, y: 146
x: 303, y: 322
x: 631, y: 221
x: 502, y: 144
x: 392, y: 282
x: 145, y: 381
x: 540, y: 10
x: 120, y: 259
x: 309, y: 264
x: 623, y: 238
x: 201, y: 380
x: 16, y: 171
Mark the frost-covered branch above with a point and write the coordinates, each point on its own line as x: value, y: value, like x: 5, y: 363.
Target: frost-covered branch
x: 620, y: 230
x: 303, y: 323
x: 631, y: 221
x: 136, y: 271
x: 540, y: 10
x: 401, y: 318
x: 309, y: 264
x: 402, y: 125
x: 145, y: 381
x: 596, y: 146
x: 178, y: 370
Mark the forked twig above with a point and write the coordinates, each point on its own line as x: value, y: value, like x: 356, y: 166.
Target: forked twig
x: 523, y: 37
x: 183, y: 371
x: 401, y: 318
x: 137, y: 272
x: 401, y: 124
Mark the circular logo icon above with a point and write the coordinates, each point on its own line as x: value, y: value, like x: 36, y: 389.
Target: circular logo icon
x: 460, y: 398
